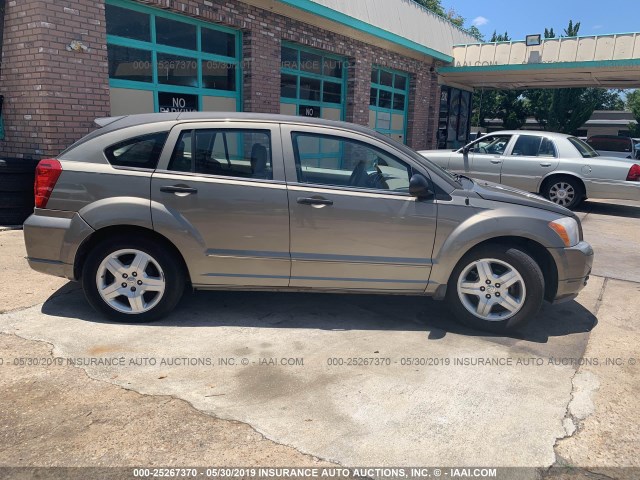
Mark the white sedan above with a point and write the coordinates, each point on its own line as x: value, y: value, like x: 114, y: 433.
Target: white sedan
x: 562, y: 168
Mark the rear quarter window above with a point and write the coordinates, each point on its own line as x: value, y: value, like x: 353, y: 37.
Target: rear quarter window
x: 137, y: 152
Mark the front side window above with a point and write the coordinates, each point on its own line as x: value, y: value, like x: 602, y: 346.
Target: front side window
x: 337, y: 161
x: 492, y: 144
x: 230, y: 153
x: 138, y: 152
x: 584, y: 148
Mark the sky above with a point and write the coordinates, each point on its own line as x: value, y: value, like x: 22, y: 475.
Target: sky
x: 521, y: 18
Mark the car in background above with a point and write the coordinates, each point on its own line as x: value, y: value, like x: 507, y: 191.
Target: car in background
x: 561, y: 168
x: 265, y: 202
x: 614, y: 146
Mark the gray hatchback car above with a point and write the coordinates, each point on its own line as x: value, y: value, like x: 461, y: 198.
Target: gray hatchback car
x: 149, y: 204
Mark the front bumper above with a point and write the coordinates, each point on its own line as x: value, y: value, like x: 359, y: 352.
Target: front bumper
x: 574, y: 267
x: 52, y: 239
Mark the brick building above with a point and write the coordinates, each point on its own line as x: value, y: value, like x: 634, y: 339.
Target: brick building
x: 67, y: 62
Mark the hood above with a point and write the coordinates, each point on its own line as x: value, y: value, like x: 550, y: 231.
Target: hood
x: 502, y: 193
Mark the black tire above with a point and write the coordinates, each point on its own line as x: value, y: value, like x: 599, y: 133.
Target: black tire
x: 523, y: 264
x: 174, y: 277
x: 576, y: 185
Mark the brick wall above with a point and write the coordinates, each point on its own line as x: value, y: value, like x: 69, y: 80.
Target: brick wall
x: 52, y: 95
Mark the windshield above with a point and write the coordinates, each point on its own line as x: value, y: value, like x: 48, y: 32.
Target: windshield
x: 584, y: 148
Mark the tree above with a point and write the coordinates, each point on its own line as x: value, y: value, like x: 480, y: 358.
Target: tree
x: 572, y: 30
x: 549, y: 33
x: 475, y: 32
x: 633, y: 104
x: 436, y: 7
x: 500, y: 37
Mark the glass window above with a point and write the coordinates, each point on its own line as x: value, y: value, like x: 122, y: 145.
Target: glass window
x: 584, y: 148
x: 611, y: 144
x: 547, y: 148
x: 385, y: 99
x: 218, y: 43
x: 288, y: 86
x: 127, y: 23
x: 332, y: 67
x: 400, y: 82
x: 398, y: 101
x: 127, y: 63
x: 386, y: 78
x: 289, y: 58
x: 218, y: 75
x: 373, y: 98
x: 492, y: 144
x: 374, y: 75
x: 337, y: 161
x: 310, y: 62
x: 176, y: 34
x: 309, y: 89
x: 332, y: 92
x: 139, y: 152
x: 527, y: 146
x: 177, y: 70
x: 231, y: 153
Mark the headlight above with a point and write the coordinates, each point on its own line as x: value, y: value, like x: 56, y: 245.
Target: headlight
x: 567, y: 229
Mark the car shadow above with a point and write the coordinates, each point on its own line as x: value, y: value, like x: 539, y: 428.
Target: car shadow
x: 331, y: 312
x: 610, y: 209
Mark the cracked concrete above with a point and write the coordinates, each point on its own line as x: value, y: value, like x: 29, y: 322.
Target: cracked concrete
x: 521, y: 414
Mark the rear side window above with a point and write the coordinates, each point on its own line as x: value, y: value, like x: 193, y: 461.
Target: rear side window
x: 584, y: 148
x: 611, y: 144
x: 137, y: 152
x: 226, y: 152
x: 533, y: 146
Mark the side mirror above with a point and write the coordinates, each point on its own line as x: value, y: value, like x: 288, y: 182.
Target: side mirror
x: 420, y: 187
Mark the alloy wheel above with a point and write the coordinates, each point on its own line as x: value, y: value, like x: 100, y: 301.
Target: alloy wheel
x: 562, y: 193
x: 130, y: 281
x: 491, y: 289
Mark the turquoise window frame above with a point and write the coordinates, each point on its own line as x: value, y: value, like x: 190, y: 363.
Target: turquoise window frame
x: 405, y: 111
x: 301, y: 73
x: 198, y: 55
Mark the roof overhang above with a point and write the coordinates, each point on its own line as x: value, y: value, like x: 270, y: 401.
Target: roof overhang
x: 335, y: 21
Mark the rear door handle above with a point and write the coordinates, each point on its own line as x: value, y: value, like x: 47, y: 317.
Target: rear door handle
x: 545, y: 164
x: 180, y: 190
x: 314, y: 201
x: 496, y: 160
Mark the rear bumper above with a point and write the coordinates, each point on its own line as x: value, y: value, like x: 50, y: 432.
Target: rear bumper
x: 52, y: 239
x: 574, y: 267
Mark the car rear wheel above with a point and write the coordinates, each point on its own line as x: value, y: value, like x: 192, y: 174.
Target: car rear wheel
x: 565, y: 191
x: 496, y: 288
x: 132, y: 280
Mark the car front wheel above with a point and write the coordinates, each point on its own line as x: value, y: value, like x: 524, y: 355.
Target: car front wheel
x: 496, y: 288
x: 132, y: 280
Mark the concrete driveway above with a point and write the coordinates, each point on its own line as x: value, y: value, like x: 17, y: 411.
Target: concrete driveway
x: 366, y: 380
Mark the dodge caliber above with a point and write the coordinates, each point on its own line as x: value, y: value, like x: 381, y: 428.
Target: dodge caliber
x: 148, y: 205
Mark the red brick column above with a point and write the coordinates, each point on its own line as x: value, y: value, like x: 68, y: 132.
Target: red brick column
x: 52, y: 95
x: 260, y: 71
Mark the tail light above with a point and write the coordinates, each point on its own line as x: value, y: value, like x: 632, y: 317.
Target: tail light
x: 47, y: 173
x: 634, y: 173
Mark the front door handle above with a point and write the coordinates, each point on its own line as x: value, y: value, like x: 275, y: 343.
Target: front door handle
x: 545, y: 164
x: 496, y: 160
x: 179, y: 190
x: 314, y: 201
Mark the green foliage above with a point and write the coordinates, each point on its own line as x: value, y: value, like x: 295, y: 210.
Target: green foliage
x: 475, y: 32
x: 500, y: 37
x: 633, y: 104
x: 549, y: 33
x: 572, y: 30
x: 436, y: 7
